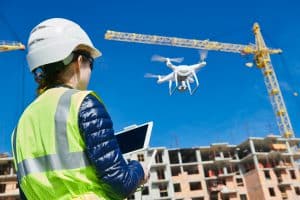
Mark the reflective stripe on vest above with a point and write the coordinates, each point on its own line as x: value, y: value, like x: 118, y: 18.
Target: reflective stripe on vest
x: 63, y: 159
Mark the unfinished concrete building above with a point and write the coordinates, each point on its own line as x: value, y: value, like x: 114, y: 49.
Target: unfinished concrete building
x: 8, y: 179
x: 257, y: 169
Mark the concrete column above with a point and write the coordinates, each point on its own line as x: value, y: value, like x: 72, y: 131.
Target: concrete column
x: 252, y: 146
x: 179, y: 157
x: 290, y: 151
x: 180, y: 161
x: 11, y: 168
x: 253, y: 152
x: 221, y: 154
x: 288, y: 147
x: 11, y: 171
x: 198, y: 156
x: 225, y: 170
x: 236, y: 155
x: 241, y: 169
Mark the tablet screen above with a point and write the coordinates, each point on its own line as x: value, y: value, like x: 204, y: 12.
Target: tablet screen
x: 134, y: 139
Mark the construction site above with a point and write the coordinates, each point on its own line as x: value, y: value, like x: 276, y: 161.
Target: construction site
x: 8, y: 178
x: 259, y: 168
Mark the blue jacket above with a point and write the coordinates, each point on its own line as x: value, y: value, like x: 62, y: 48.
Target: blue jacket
x: 103, y: 150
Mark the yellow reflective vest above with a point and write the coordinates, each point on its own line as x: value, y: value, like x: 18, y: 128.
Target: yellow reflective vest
x: 49, y: 150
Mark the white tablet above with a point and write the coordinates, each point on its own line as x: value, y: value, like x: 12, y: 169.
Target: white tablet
x: 134, y: 138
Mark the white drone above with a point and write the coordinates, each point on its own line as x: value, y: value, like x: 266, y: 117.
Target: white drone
x: 182, y: 75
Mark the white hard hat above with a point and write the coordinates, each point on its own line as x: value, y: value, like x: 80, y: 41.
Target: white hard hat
x: 54, y: 39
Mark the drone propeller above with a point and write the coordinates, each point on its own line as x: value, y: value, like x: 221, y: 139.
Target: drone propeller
x: 203, y: 55
x: 148, y: 75
x: 164, y: 59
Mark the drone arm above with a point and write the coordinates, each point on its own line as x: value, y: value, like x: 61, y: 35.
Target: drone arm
x: 202, y: 63
x: 199, y: 65
x: 165, y: 78
x: 169, y: 64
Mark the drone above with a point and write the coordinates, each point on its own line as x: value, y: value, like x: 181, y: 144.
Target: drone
x: 184, y: 76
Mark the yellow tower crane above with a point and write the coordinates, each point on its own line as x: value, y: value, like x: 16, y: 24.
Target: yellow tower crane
x: 259, y: 50
x: 10, y: 46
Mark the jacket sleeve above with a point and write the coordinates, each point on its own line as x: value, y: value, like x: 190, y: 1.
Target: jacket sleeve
x: 103, y: 150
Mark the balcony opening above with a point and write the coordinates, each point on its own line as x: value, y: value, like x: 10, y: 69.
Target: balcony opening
x: 267, y: 174
x: 278, y: 173
x: 232, y: 169
x: 297, y: 190
x: 163, y: 190
x: 222, y: 182
x: 272, y: 192
x: 131, y: 197
x: 2, y: 188
x: 145, y: 190
x: 261, y: 147
x: 205, y: 156
x: 175, y: 171
x: 5, y: 169
x: 188, y: 155
x: 192, y: 169
x: 195, y: 186
x: 140, y: 157
x: 160, y: 174
x: 198, y: 198
x: 293, y: 175
x: 225, y: 197
x: 243, y: 152
x: 243, y: 196
x: 214, y: 196
x: 283, y: 192
x: 249, y: 166
x: 158, y: 157
x: 177, y: 187
x: 239, y: 182
x: 173, y: 155
x: 282, y: 189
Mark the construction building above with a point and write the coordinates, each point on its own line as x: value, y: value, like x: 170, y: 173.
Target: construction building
x: 257, y: 169
x: 8, y: 179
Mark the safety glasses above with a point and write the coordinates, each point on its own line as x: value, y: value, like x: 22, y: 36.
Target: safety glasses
x: 86, y: 56
x: 90, y: 60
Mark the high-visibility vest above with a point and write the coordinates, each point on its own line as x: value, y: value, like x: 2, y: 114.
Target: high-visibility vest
x: 49, y: 149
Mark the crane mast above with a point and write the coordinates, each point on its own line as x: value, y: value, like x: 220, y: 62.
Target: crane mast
x: 10, y: 46
x: 261, y: 57
x: 263, y: 61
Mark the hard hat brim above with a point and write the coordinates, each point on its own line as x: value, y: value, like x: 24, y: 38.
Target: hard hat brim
x: 95, y: 53
x: 57, y: 52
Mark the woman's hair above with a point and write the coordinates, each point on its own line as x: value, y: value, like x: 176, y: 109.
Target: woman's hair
x: 53, y: 74
x: 49, y: 75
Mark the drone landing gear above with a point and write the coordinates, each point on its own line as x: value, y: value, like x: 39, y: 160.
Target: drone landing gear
x: 171, y: 91
x: 189, y: 85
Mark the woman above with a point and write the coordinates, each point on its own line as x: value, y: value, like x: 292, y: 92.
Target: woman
x: 64, y: 145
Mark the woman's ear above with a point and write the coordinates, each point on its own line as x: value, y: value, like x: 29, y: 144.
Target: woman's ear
x: 78, y: 64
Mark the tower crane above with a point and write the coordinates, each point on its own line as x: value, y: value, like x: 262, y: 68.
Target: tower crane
x: 259, y: 50
x: 10, y: 46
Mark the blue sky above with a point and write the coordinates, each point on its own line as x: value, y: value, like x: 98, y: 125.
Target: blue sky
x: 231, y: 103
